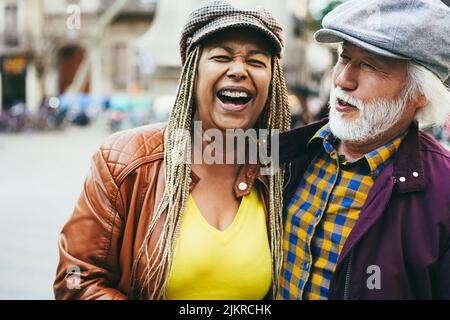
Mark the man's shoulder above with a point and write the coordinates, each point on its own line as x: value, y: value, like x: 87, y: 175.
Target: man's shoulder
x: 435, y: 158
x: 429, y: 145
x: 306, y: 131
x: 124, y: 148
x: 293, y: 142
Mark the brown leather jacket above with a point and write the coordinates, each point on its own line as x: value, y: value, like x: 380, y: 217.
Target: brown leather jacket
x: 108, y: 224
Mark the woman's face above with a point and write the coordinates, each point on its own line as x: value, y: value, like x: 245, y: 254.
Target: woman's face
x: 234, y: 74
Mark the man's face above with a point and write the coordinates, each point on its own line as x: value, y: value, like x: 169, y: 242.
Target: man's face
x: 233, y: 81
x: 368, y: 97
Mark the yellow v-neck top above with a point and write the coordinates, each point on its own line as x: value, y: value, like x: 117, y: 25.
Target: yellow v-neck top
x: 230, y: 264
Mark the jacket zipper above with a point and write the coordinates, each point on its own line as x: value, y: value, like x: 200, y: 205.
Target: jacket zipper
x: 347, y: 277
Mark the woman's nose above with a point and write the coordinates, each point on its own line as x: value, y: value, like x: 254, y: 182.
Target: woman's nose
x: 237, y: 70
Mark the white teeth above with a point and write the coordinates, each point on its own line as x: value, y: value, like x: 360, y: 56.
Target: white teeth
x: 234, y: 94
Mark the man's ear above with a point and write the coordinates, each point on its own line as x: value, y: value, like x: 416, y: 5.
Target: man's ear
x: 421, y: 101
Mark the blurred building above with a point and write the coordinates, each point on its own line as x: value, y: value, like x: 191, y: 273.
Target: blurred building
x: 43, y: 44
x: 21, y: 30
x: 159, y: 47
x: 106, y: 52
x: 49, y: 47
x: 306, y: 62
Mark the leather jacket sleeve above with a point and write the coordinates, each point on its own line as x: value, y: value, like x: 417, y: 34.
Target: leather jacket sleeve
x: 90, y: 241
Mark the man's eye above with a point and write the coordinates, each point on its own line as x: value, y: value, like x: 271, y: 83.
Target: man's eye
x: 367, y: 66
x: 343, y: 59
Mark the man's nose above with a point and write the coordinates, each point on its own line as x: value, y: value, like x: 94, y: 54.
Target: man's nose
x: 346, y: 77
x: 237, y: 70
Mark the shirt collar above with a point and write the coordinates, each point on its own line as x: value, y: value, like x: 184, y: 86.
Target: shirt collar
x: 375, y: 160
x: 378, y: 158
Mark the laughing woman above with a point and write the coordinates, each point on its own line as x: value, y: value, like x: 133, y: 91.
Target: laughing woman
x: 151, y: 226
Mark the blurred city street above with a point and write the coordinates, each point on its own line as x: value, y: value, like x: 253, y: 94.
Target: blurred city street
x: 73, y: 72
x: 41, y: 177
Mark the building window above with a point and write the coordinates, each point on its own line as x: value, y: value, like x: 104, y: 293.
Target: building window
x: 120, y: 65
x: 11, y: 25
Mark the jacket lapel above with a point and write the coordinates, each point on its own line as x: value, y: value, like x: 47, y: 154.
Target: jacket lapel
x: 376, y: 202
x: 405, y: 173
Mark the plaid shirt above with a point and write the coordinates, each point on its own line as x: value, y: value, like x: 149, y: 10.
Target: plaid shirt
x: 322, y: 214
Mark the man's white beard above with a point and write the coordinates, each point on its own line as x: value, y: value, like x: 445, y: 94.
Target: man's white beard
x: 375, y: 117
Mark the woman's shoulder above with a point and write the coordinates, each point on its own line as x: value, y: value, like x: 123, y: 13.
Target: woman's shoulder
x: 128, y: 147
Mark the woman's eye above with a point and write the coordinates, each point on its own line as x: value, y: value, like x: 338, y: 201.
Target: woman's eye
x: 221, y: 58
x: 256, y: 63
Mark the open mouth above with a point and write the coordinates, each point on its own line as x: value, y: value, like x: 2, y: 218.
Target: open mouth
x: 234, y: 97
x: 346, y: 104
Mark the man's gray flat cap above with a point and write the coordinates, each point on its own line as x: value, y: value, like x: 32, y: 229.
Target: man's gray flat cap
x: 417, y: 30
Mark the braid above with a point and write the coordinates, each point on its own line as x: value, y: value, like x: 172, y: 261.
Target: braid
x: 176, y: 192
x: 177, y: 149
x: 278, y: 118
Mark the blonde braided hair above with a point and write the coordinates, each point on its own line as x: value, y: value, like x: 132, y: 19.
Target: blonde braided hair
x: 177, y: 149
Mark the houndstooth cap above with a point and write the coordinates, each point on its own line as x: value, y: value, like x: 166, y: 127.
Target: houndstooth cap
x: 219, y: 15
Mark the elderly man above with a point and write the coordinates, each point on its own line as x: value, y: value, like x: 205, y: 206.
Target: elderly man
x: 367, y: 200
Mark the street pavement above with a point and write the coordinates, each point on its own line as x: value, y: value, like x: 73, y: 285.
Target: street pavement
x: 41, y: 177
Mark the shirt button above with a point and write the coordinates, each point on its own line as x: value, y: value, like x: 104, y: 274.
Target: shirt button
x: 242, y: 186
x: 415, y: 174
x: 402, y: 179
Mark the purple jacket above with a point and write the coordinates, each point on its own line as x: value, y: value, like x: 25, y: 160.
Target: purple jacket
x: 404, y: 225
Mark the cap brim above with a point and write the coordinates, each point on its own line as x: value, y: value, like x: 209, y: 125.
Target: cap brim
x: 227, y: 22
x: 334, y: 36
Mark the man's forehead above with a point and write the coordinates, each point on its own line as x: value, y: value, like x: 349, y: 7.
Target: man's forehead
x: 373, y: 56
x: 351, y: 46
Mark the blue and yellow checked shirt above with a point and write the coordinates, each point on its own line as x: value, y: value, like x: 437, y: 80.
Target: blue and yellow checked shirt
x: 322, y: 213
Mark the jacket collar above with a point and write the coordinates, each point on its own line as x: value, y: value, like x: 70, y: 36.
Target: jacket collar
x: 408, y: 165
x: 244, y: 182
x: 408, y: 170
x: 294, y: 143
